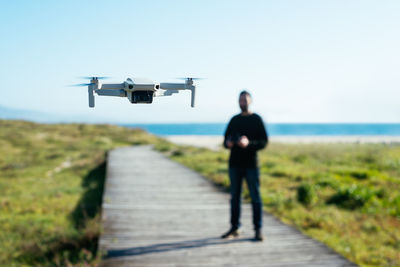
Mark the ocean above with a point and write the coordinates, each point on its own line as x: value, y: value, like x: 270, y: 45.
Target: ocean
x: 277, y: 129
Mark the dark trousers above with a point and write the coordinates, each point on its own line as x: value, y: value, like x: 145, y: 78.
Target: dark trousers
x: 251, y: 175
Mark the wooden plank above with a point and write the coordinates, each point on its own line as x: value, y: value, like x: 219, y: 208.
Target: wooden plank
x: 158, y: 213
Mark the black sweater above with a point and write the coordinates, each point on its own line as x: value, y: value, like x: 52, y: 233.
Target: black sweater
x: 251, y: 126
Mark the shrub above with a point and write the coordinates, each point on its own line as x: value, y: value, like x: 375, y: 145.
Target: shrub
x: 395, y: 207
x: 352, y: 197
x: 306, y: 194
x: 278, y: 173
x: 163, y: 147
x: 301, y: 158
x: 360, y: 175
x: 356, y: 173
x: 177, y: 153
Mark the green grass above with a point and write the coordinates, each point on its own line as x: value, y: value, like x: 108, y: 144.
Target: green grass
x: 52, y: 178
x: 345, y: 195
x: 51, y: 185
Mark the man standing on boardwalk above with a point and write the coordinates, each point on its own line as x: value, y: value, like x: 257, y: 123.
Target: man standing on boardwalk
x: 245, y: 135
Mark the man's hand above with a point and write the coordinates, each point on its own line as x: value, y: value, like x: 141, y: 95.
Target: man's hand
x: 229, y: 144
x: 243, y: 141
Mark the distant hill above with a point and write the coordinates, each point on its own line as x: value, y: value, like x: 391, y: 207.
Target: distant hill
x: 22, y: 114
x: 43, y: 117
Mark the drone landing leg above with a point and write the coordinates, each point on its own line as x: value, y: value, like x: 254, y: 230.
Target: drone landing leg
x: 193, y: 89
x: 91, y: 96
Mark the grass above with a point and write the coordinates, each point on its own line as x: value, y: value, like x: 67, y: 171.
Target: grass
x: 52, y: 178
x: 345, y: 195
x: 51, y: 185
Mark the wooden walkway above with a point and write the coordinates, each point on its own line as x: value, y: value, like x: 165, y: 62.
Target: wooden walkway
x: 159, y: 213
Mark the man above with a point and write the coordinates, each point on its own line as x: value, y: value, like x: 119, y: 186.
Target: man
x: 245, y: 135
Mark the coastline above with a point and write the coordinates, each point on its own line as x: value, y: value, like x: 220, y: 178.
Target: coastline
x: 215, y: 142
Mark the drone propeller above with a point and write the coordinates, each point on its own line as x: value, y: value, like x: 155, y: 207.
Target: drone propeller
x: 94, y: 77
x: 190, y: 78
x: 80, y: 84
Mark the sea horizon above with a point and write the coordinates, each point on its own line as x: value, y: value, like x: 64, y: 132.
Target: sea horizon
x: 274, y: 129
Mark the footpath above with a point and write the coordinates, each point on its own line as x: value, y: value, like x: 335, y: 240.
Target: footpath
x: 157, y: 212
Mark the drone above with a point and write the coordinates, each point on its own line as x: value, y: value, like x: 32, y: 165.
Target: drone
x: 138, y: 91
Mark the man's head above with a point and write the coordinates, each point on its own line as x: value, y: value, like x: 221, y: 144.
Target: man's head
x: 244, y: 101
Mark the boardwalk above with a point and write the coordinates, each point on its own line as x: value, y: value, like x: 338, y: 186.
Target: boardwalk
x: 159, y: 213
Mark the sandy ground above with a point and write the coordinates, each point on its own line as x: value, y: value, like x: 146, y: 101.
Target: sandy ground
x: 215, y: 142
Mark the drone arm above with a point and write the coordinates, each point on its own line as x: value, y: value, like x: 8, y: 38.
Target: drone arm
x: 112, y: 86
x: 173, y: 86
x: 111, y: 92
x: 167, y: 92
x: 180, y: 86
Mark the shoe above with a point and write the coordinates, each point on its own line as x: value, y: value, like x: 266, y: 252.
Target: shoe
x: 231, y: 233
x: 259, y: 236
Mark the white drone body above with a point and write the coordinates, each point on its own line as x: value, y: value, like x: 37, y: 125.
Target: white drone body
x: 138, y: 92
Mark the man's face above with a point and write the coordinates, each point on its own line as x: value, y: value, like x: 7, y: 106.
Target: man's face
x: 244, y: 102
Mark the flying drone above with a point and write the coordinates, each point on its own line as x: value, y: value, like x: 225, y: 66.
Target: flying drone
x: 137, y: 91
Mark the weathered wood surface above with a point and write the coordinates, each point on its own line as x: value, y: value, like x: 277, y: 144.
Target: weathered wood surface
x: 159, y: 213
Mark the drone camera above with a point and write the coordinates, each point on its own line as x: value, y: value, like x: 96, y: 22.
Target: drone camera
x: 145, y: 97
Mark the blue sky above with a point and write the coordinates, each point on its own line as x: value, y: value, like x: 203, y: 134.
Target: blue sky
x: 303, y: 61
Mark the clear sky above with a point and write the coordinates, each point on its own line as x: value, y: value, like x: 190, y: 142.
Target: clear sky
x: 303, y: 61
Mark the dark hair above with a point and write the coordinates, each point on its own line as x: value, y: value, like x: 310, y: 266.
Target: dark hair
x: 244, y: 92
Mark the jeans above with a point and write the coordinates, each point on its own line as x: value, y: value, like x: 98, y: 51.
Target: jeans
x: 251, y: 175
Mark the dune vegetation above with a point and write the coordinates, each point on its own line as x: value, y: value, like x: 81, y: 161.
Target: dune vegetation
x: 51, y: 185
x: 52, y: 178
x: 345, y: 195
